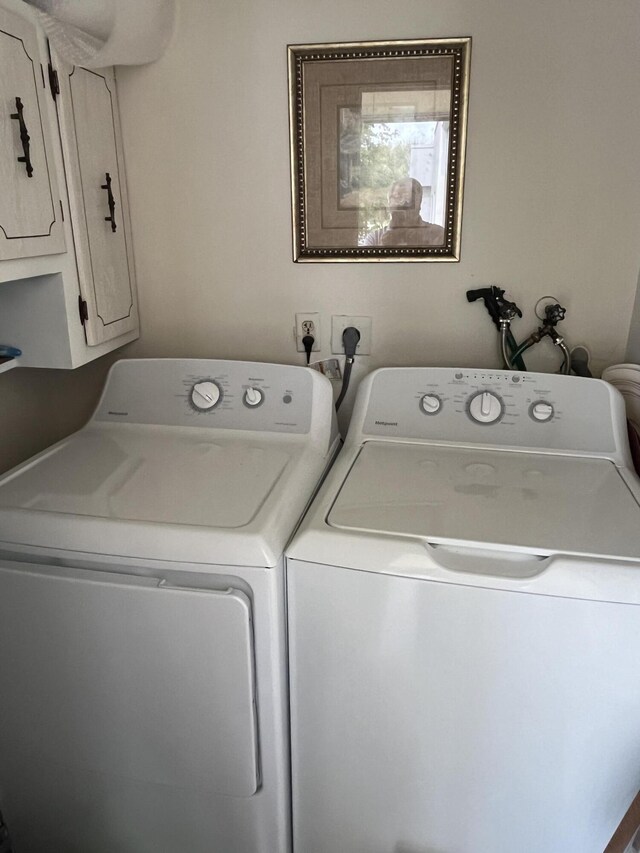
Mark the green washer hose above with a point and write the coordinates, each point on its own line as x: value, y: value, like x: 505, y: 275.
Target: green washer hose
x: 516, y: 351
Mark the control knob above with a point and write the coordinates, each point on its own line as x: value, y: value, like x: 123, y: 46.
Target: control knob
x: 430, y: 404
x: 485, y: 407
x: 253, y: 397
x: 205, y: 395
x: 541, y: 411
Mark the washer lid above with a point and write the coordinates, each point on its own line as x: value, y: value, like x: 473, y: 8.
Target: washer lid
x: 161, y: 492
x: 536, y: 503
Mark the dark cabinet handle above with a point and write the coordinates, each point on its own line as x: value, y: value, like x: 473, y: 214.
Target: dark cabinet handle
x: 24, y: 137
x: 111, y: 202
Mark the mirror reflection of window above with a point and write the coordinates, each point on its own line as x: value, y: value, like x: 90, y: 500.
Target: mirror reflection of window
x: 391, y: 136
x: 378, y: 137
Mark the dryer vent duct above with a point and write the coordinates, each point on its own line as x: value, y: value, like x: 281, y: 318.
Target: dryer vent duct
x: 100, y: 33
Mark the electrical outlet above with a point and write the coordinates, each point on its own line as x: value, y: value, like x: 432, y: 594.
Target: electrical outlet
x: 307, y: 324
x: 340, y: 322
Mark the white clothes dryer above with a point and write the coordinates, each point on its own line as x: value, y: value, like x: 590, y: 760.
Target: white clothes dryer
x: 464, y: 621
x: 142, y: 627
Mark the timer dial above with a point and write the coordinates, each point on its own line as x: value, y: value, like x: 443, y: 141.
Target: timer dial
x: 205, y: 395
x: 485, y: 407
x: 430, y: 404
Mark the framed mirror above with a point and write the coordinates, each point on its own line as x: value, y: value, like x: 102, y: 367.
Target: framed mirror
x: 378, y: 132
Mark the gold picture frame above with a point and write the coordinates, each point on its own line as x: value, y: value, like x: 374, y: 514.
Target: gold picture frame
x: 378, y: 137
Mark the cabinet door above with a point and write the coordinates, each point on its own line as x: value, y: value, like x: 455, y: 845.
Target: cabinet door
x: 92, y: 150
x: 30, y: 208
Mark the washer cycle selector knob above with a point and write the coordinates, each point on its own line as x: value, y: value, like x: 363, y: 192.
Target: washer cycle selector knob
x: 541, y: 411
x: 205, y: 395
x: 253, y: 397
x: 485, y: 407
x: 430, y: 404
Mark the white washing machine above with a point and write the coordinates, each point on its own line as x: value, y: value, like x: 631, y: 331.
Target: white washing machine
x: 464, y: 621
x: 142, y: 627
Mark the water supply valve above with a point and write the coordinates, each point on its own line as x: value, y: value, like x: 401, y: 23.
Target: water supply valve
x: 554, y: 314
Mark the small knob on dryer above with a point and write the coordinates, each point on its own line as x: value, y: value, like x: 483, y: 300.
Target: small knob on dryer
x: 253, y: 397
x: 205, y: 395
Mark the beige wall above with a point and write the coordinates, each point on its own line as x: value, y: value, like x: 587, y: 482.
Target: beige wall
x: 39, y: 407
x: 552, y: 197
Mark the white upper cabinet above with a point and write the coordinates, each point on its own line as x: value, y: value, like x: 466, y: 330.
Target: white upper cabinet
x: 67, y: 280
x: 94, y: 166
x: 30, y: 206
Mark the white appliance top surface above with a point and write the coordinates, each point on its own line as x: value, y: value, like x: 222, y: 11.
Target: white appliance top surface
x: 542, y: 504
x: 164, y: 476
x: 162, y: 493
x: 152, y: 477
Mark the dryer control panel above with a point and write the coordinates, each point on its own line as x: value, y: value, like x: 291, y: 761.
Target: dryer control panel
x: 491, y: 407
x: 214, y: 393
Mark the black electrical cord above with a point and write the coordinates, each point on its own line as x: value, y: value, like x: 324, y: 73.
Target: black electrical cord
x: 307, y: 342
x: 350, y: 338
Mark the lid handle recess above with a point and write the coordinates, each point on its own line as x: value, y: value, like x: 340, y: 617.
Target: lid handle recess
x: 487, y: 561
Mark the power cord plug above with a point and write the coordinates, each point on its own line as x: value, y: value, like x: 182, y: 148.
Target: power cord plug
x: 307, y: 342
x: 350, y: 340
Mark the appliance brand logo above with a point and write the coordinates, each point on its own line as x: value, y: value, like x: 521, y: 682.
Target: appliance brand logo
x: 386, y: 423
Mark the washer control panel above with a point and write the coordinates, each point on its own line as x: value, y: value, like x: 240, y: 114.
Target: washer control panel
x: 210, y: 393
x: 500, y: 407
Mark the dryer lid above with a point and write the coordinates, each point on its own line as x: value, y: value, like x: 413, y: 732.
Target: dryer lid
x: 160, y: 492
x: 535, y: 503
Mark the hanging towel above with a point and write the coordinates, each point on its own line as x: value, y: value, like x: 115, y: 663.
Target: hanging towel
x: 100, y: 33
x: 626, y: 378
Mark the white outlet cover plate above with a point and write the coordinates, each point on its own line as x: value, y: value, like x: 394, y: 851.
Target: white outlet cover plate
x: 339, y: 322
x: 299, y: 333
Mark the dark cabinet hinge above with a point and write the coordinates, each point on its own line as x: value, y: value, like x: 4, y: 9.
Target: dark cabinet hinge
x: 54, y: 85
x: 83, y: 310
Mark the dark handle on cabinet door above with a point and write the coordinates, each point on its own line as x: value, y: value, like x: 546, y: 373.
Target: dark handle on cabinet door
x: 24, y: 137
x: 111, y: 202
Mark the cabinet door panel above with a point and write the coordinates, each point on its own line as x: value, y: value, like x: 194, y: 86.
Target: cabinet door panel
x: 30, y: 213
x: 90, y: 132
